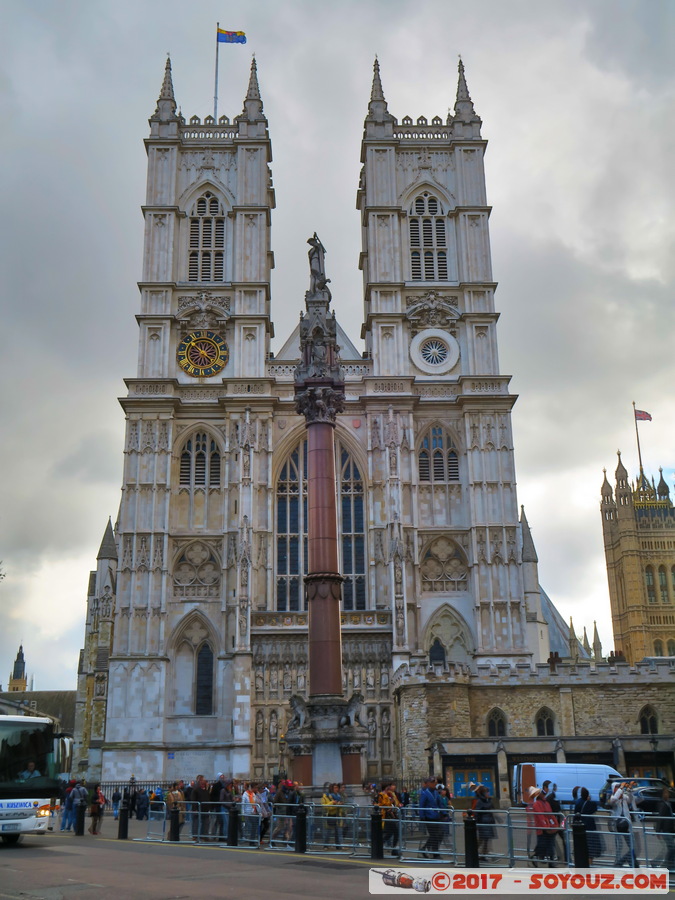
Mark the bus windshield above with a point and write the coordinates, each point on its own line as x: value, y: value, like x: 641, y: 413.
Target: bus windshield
x: 29, y: 757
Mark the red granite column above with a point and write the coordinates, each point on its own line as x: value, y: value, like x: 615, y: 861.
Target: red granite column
x: 323, y: 580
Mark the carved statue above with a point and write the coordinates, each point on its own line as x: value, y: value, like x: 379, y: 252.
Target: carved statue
x: 259, y: 727
x: 352, y: 715
x: 317, y: 265
x: 300, y: 715
x: 273, y: 726
x: 372, y: 734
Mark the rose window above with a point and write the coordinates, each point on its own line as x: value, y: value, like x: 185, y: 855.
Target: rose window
x: 434, y: 351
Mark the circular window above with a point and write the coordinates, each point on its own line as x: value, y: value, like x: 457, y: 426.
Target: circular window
x: 434, y: 351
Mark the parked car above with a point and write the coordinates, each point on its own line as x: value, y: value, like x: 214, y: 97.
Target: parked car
x: 647, y: 792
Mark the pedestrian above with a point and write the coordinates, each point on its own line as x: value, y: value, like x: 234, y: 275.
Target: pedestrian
x: 116, y: 798
x: 623, y: 806
x: 250, y: 813
x: 175, y: 799
x: 199, y: 797
x: 430, y: 814
x: 664, y: 826
x: 142, y: 804
x: 96, y: 809
x: 389, y: 806
x: 227, y: 804
x: 586, y: 809
x: 546, y: 825
x: 556, y: 809
x: 485, y: 819
x: 265, y: 808
x: 68, y: 817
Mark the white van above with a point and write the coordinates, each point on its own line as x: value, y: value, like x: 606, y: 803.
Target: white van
x: 565, y: 775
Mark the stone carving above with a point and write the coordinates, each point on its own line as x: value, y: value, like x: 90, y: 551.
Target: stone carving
x: 432, y: 310
x: 287, y: 677
x: 352, y: 714
x: 106, y: 603
x: 100, y: 684
x: 372, y: 734
x: 375, y: 439
x: 259, y: 726
x: 320, y: 404
x: 197, y: 572
x: 243, y: 619
x: 386, y: 734
x: 300, y: 715
x: 301, y: 678
x: 259, y: 680
x: 247, y: 433
x: 443, y: 567
x: 148, y: 437
x: 274, y: 726
x: 317, y: 266
x: 274, y: 679
x: 203, y: 303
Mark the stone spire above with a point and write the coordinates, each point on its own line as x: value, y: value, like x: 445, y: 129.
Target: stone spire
x: 573, y: 642
x: 108, y: 548
x: 606, y: 489
x: 529, y: 553
x: 662, y: 490
x: 597, y: 646
x: 166, y: 104
x: 377, y: 108
x: 585, y: 643
x: 19, y: 670
x: 464, y: 108
x: 253, y: 107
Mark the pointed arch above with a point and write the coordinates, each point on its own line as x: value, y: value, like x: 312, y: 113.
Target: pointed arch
x: 206, y: 233
x: 495, y: 723
x: 432, y: 187
x: 450, y: 630
x: 192, y: 650
x: 443, y: 566
x: 199, y: 452
x: 648, y: 720
x: 192, y: 193
x: 544, y: 722
x: 438, y: 454
x: 290, y: 478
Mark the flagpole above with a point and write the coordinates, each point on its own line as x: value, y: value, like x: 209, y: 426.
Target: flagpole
x: 637, y: 435
x: 215, y: 88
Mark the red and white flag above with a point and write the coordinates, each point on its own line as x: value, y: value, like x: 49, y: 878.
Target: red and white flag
x: 642, y: 416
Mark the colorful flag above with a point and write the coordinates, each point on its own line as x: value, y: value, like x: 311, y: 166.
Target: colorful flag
x: 642, y: 416
x: 230, y: 37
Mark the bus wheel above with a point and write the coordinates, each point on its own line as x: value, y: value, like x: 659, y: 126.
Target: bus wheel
x: 11, y: 838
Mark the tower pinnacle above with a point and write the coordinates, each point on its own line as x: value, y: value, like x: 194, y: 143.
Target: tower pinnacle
x: 253, y: 107
x: 108, y: 548
x: 377, y: 108
x: 464, y: 108
x: 529, y: 553
x: 166, y: 103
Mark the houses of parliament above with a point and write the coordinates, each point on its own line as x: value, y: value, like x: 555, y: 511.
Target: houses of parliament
x: 196, y: 621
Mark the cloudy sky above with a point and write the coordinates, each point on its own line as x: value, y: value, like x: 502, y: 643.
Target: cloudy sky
x: 577, y: 104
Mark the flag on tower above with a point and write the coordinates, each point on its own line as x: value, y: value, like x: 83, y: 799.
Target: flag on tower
x: 642, y: 416
x: 230, y: 37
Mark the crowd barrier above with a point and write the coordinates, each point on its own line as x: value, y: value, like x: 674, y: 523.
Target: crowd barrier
x: 456, y: 839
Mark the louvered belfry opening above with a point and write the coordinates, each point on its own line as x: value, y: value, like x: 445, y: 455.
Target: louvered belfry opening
x: 207, y: 240
x: 428, y: 241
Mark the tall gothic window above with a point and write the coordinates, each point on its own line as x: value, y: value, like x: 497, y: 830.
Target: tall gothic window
x: 649, y: 581
x: 204, y: 681
x: 544, y: 722
x: 649, y: 723
x: 428, y: 242
x: 194, y: 680
x: 200, y: 462
x: 207, y: 240
x: 658, y: 648
x: 671, y: 648
x: 496, y: 723
x: 437, y: 459
x: 663, y: 584
x: 291, y: 538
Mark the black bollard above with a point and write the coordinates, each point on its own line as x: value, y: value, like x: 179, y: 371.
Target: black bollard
x: 123, y: 824
x: 376, y: 836
x: 174, y: 823
x: 470, y: 843
x: 80, y: 813
x: 233, y: 827
x: 301, y: 829
x: 580, y: 843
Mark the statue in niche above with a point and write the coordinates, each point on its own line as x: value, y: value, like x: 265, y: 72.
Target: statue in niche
x: 372, y: 734
x: 301, y: 678
x: 384, y: 678
x: 356, y: 680
x: 287, y: 677
x: 370, y: 679
x: 274, y: 726
x: 274, y: 679
x: 259, y: 727
x: 386, y: 734
x: 317, y: 265
x: 259, y: 680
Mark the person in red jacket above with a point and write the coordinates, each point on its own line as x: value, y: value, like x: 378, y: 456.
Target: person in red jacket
x: 546, y: 825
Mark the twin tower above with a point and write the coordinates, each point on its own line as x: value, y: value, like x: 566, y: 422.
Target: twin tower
x: 197, y: 623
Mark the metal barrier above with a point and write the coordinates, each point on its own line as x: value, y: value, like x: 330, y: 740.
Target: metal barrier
x: 332, y: 828
x: 420, y: 838
x: 157, y: 823
x: 282, y: 828
x: 659, y: 843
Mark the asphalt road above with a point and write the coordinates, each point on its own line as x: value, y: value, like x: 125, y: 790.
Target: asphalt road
x: 60, y: 865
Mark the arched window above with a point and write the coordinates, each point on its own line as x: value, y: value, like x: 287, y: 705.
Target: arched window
x: 649, y: 723
x: 437, y: 459
x: 428, y: 242
x: 496, y: 723
x: 207, y: 240
x: 649, y: 581
x: 658, y: 648
x: 671, y: 648
x: 291, y: 537
x: 204, y: 681
x: 200, y: 462
x: 663, y: 584
x: 437, y: 655
x: 544, y: 722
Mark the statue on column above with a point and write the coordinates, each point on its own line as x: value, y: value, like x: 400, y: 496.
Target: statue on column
x: 317, y: 266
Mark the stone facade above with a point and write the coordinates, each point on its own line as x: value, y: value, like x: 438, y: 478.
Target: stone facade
x: 638, y: 526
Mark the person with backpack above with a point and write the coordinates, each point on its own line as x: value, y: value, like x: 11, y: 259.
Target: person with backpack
x: 68, y: 817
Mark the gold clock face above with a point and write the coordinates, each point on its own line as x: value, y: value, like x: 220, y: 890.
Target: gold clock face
x: 202, y: 353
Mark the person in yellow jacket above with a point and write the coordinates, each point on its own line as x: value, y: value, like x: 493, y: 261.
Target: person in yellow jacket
x: 389, y: 804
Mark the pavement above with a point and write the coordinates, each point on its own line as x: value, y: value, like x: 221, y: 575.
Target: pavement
x: 60, y: 866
